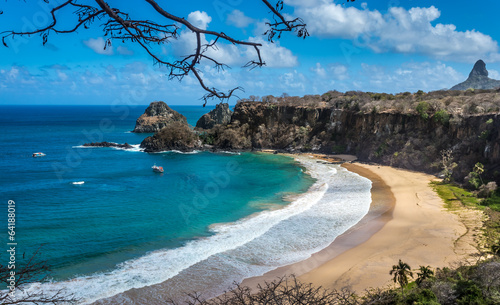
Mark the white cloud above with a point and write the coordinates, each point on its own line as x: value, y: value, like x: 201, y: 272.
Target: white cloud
x: 331, y: 72
x: 199, y: 19
x: 411, y: 77
x: 238, y: 19
x: 400, y: 30
x: 293, y: 80
x: 97, y: 45
x: 273, y: 54
x: 493, y: 74
x: 319, y: 70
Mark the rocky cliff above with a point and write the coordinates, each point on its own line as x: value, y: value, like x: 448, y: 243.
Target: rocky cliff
x: 157, y: 116
x: 478, y: 79
x: 408, y: 140
x: 220, y: 115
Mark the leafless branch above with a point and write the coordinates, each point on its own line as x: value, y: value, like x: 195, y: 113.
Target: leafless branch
x: 119, y: 26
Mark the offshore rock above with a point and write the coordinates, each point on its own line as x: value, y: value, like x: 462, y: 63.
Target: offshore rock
x: 175, y: 136
x: 221, y: 115
x: 157, y: 116
x: 108, y: 144
x: 478, y: 79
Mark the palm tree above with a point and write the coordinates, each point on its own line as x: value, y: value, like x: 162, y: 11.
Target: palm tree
x: 424, y: 273
x: 401, y: 271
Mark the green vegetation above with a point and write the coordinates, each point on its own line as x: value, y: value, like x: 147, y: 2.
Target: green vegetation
x: 400, y: 273
x: 453, y: 195
x: 422, y: 109
x: 441, y: 116
x: 207, y: 138
x: 456, y: 197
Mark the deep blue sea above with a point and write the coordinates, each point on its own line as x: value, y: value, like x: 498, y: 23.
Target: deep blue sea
x: 128, y: 227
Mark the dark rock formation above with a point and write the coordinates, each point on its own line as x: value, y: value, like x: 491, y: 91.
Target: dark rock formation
x: 157, y: 116
x: 405, y: 140
x: 108, y: 144
x: 478, y: 79
x: 220, y: 115
x: 175, y: 136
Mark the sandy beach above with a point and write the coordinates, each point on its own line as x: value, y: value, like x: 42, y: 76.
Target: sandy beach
x: 407, y: 221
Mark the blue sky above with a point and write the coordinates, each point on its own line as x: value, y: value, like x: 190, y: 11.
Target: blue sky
x: 381, y: 46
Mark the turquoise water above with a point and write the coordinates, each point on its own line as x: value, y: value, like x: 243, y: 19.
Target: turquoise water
x: 211, y: 219
x: 123, y: 210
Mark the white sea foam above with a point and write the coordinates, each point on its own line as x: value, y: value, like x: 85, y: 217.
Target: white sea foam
x: 135, y: 148
x: 248, y: 247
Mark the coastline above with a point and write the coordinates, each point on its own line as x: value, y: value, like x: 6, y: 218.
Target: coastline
x: 407, y: 220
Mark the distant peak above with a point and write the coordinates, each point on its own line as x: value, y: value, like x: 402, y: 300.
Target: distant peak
x: 479, y: 69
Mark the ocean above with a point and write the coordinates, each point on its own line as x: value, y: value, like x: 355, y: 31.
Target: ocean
x: 106, y: 223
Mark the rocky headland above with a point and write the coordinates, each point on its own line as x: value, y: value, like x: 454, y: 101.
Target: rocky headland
x: 478, y: 79
x: 157, y: 116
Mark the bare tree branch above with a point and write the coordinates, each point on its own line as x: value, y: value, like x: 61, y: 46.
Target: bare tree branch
x: 119, y: 25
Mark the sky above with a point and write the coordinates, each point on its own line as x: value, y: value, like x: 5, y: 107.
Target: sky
x: 379, y: 46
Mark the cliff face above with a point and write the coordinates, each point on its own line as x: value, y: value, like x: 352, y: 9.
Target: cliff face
x: 157, y: 116
x: 404, y: 140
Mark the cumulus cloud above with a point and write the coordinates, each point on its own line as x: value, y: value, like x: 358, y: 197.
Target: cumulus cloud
x: 97, y: 45
x: 239, y: 19
x: 399, y: 30
x: 199, y: 19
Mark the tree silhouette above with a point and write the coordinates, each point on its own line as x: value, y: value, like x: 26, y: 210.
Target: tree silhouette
x: 32, y: 270
x: 424, y: 272
x: 401, y: 271
x: 119, y: 25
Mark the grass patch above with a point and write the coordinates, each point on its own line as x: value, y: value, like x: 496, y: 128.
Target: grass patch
x: 493, y: 202
x: 453, y: 195
x: 456, y: 197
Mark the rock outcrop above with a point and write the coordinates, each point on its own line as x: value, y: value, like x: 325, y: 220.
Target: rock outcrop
x: 108, y: 144
x: 478, y: 79
x: 157, y: 116
x: 220, y: 115
x: 175, y: 136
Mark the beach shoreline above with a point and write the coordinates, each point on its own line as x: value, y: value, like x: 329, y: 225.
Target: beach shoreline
x: 407, y: 220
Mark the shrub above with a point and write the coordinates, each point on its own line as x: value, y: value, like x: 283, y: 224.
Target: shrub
x: 441, y: 116
x: 422, y: 109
